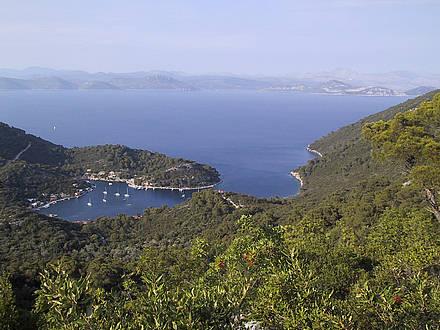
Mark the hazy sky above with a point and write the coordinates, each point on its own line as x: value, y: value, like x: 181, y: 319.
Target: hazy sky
x: 239, y: 36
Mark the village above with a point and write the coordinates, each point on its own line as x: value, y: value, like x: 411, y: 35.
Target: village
x: 137, y: 182
x: 46, y: 200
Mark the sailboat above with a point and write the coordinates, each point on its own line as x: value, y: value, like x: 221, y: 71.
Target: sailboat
x: 105, y: 191
x: 117, y: 194
x: 89, y: 203
x: 104, y: 200
x: 127, y: 195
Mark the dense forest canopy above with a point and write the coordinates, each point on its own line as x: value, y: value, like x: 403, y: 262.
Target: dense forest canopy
x: 413, y: 140
x: 363, y: 253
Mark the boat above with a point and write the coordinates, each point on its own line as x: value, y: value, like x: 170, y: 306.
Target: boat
x: 105, y: 191
x: 127, y: 195
x: 89, y: 203
x: 183, y: 195
x: 104, y: 200
x: 110, y: 183
x: 117, y: 194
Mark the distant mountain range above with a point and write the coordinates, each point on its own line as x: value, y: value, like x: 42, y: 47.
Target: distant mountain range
x: 337, y: 87
x: 339, y: 82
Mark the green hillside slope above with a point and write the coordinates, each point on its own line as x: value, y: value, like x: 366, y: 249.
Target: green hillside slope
x: 347, y: 157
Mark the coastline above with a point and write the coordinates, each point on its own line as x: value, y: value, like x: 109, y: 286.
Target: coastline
x: 47, y: 205
x: 296, y: 175
x: 313, y: 151
x: 131, y: 184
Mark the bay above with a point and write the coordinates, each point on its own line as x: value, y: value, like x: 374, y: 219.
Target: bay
x: 133, y: 204
x: 253, y: 138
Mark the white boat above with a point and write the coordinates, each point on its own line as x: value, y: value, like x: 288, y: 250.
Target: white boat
x: 105, y: 191
x: 89, y: 203
x: 110, y: 183
x: 117, y: 194
x: 127, y: 195
x: 104, y: 200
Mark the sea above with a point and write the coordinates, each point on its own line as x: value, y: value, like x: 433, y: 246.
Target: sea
x: 253, y: 138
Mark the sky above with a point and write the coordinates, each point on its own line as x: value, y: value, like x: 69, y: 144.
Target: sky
x: 268, y: 37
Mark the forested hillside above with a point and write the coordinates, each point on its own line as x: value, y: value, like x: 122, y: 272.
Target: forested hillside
x: 155, y: 168
x: 361, y: 254
x: 347, y: 158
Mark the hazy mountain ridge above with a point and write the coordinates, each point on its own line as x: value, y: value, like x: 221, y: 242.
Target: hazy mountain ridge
x: 398, y: 80
x: 340, y: 81
x: 12, y: 83
x: 420, y: 90
x: 340, y: 88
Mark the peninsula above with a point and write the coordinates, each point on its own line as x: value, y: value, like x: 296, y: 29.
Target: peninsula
x: 35, y: 172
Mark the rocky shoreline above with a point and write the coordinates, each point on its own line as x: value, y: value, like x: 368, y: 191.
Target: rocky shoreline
x: 296, y: 175
x: 313, y: 151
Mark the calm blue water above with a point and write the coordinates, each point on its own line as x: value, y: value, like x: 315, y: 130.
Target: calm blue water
x: 138, y: 200
x: 254, y: 139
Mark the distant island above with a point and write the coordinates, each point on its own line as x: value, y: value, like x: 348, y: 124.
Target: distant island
x: 336, y: 87
x: 337, y: 82
x: 35, y: 172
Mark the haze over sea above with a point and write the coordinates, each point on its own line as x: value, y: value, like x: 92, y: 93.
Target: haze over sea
x: 253, y: 138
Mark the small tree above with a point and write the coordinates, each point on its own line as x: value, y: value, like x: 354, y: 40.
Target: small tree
x: 8, y: 312
x: 412, y: 139
x: 63, y: 303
